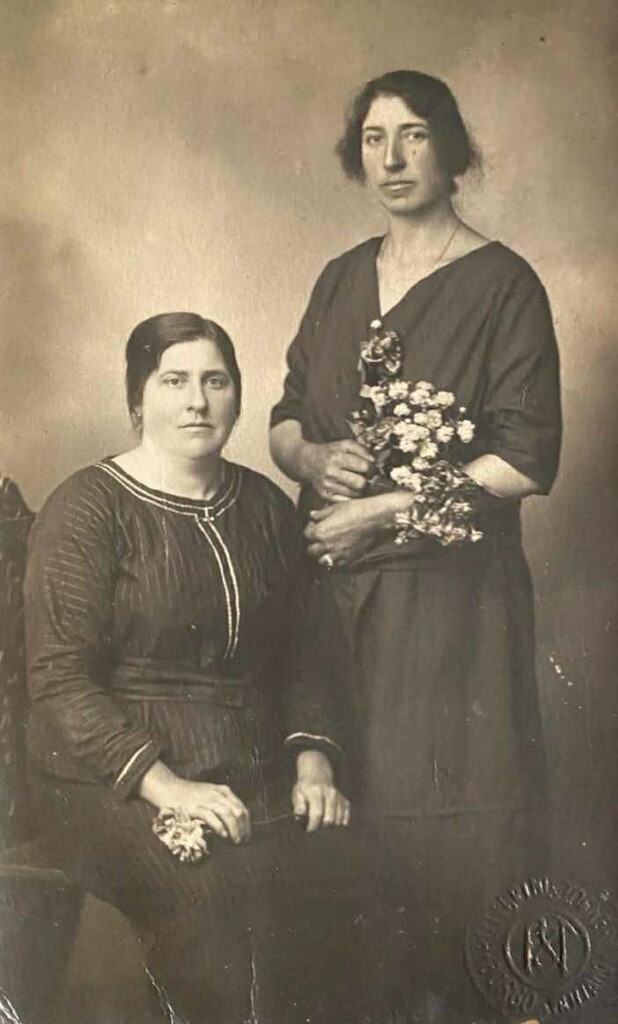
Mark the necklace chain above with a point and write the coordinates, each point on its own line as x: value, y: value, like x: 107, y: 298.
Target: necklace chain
x: 445, y: 248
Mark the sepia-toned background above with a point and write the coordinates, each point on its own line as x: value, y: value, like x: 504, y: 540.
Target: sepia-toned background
x: 178, y: 154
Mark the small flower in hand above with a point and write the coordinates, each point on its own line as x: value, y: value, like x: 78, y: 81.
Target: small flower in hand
x: 182, y: 834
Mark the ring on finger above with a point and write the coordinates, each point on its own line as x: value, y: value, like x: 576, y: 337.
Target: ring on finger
x: 328, y: 561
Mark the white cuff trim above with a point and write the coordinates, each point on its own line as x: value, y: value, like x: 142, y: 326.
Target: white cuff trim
x: 131, y: 762
x: 310, y: 736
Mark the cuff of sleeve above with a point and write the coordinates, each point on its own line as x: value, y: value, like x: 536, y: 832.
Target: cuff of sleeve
x: 297, y: 741
x: 284, y: 411
x: 137, y: 765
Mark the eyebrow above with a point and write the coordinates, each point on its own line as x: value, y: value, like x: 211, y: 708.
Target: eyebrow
x: 405, y: 124
x: 185, y: 373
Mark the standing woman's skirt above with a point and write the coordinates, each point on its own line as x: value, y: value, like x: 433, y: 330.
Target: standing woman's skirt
x: 433, y: 659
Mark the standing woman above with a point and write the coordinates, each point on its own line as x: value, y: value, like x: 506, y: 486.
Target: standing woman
x: 159, y: 598
x: 433, y: 646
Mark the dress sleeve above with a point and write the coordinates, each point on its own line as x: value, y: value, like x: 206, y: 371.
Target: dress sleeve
x: 521, y: 414
x: 314, y: 715
x: 69, y: 594
x: 290, y: 405
x: 311, y: 715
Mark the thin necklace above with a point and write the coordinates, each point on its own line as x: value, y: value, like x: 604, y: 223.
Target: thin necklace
x: 443, y: 251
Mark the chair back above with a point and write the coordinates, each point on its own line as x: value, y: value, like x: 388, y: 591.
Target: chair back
x: 15, y: 522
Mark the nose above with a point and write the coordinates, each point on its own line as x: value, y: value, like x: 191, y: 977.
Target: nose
x: 393, y: 154
x: 196, y: 398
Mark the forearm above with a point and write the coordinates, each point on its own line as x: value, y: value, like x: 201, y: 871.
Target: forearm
x: 289, y: 450
x: 499, y: 478
x: 158, y: 785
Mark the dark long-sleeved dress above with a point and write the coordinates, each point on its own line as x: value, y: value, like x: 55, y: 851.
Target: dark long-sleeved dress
x: 434, y: 647
x: 162, y: 627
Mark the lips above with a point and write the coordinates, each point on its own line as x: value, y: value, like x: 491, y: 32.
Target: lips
x: 196, y: 426
x: 397, y: 184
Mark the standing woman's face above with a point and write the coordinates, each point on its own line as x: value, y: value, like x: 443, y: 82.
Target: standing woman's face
x: 399, y: 159
x: 189, y: 405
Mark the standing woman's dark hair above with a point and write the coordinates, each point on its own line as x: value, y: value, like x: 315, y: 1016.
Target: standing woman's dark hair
x: 426, y: 96
x: 149, y: 340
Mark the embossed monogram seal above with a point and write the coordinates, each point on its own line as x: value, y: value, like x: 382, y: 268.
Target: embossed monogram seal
x: 544, y: 948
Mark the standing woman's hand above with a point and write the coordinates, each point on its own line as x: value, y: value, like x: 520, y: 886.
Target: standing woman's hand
x: 343, y: 532
x: 315, y: 796
x: 335, y: 470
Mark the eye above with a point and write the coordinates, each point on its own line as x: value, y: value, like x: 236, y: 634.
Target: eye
x: 219, y: 381
x: 372, y: 139
x: 172, y: 381
x: 415, y: 135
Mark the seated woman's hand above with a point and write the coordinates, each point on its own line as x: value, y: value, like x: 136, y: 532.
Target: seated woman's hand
x: 314, y: 795
x: 217, y: 806
x: 336, y: 470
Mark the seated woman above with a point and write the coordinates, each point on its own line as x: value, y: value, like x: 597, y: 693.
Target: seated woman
x: 159, y: 623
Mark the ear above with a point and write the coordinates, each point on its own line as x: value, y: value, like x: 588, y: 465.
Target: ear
x: 136, y: 418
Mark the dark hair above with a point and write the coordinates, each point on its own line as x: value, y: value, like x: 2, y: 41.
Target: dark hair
x: 426, y: 96
x: 149, y: 340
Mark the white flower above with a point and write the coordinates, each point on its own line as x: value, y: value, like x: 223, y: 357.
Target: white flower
x: 434, y: 419
x: 397, y: 389
x: 401, y: 409
x: 378, y: 397
x: 420, y: 464
x: 465, y: 431
x: 423, y: 385
x: 419, y: 397
x: 404, y: 477
x: 445, y: 398
x: 375, y: 325
x: 417, y: 432
x: 420, y: 418
x: 365, y: 391
x: 445, y: 433
x: 429, y: 450
x: 408, y: 444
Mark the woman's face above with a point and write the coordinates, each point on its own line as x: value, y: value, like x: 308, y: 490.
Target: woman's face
x: 188, y: 407
x: 399, y: 159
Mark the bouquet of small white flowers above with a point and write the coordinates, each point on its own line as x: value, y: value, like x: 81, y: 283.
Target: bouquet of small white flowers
x: 410, y: 428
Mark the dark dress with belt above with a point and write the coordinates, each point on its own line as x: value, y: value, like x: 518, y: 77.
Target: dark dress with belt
x: 163, y: 627
x: 433, y: 648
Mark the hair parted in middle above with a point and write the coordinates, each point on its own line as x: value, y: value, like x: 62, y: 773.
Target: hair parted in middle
x: 424, y: 95
x: 149, y: 340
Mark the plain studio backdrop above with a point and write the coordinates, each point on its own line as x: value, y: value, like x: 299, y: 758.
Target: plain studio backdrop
x: 178, y: 154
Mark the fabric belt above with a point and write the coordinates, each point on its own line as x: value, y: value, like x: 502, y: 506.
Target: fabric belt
x: 139, y: 679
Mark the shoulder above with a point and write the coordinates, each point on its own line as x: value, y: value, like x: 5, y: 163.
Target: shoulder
x: 88, y: 495
x: 508, y: 267
x: 358, y: 254
x: 347, y: 261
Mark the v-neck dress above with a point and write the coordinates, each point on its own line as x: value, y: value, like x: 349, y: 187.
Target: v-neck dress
x: 432, y: 649
x: 434, y: 646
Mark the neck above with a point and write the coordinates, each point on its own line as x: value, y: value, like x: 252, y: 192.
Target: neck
x: 417, y: 235
x: 188, y: 478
